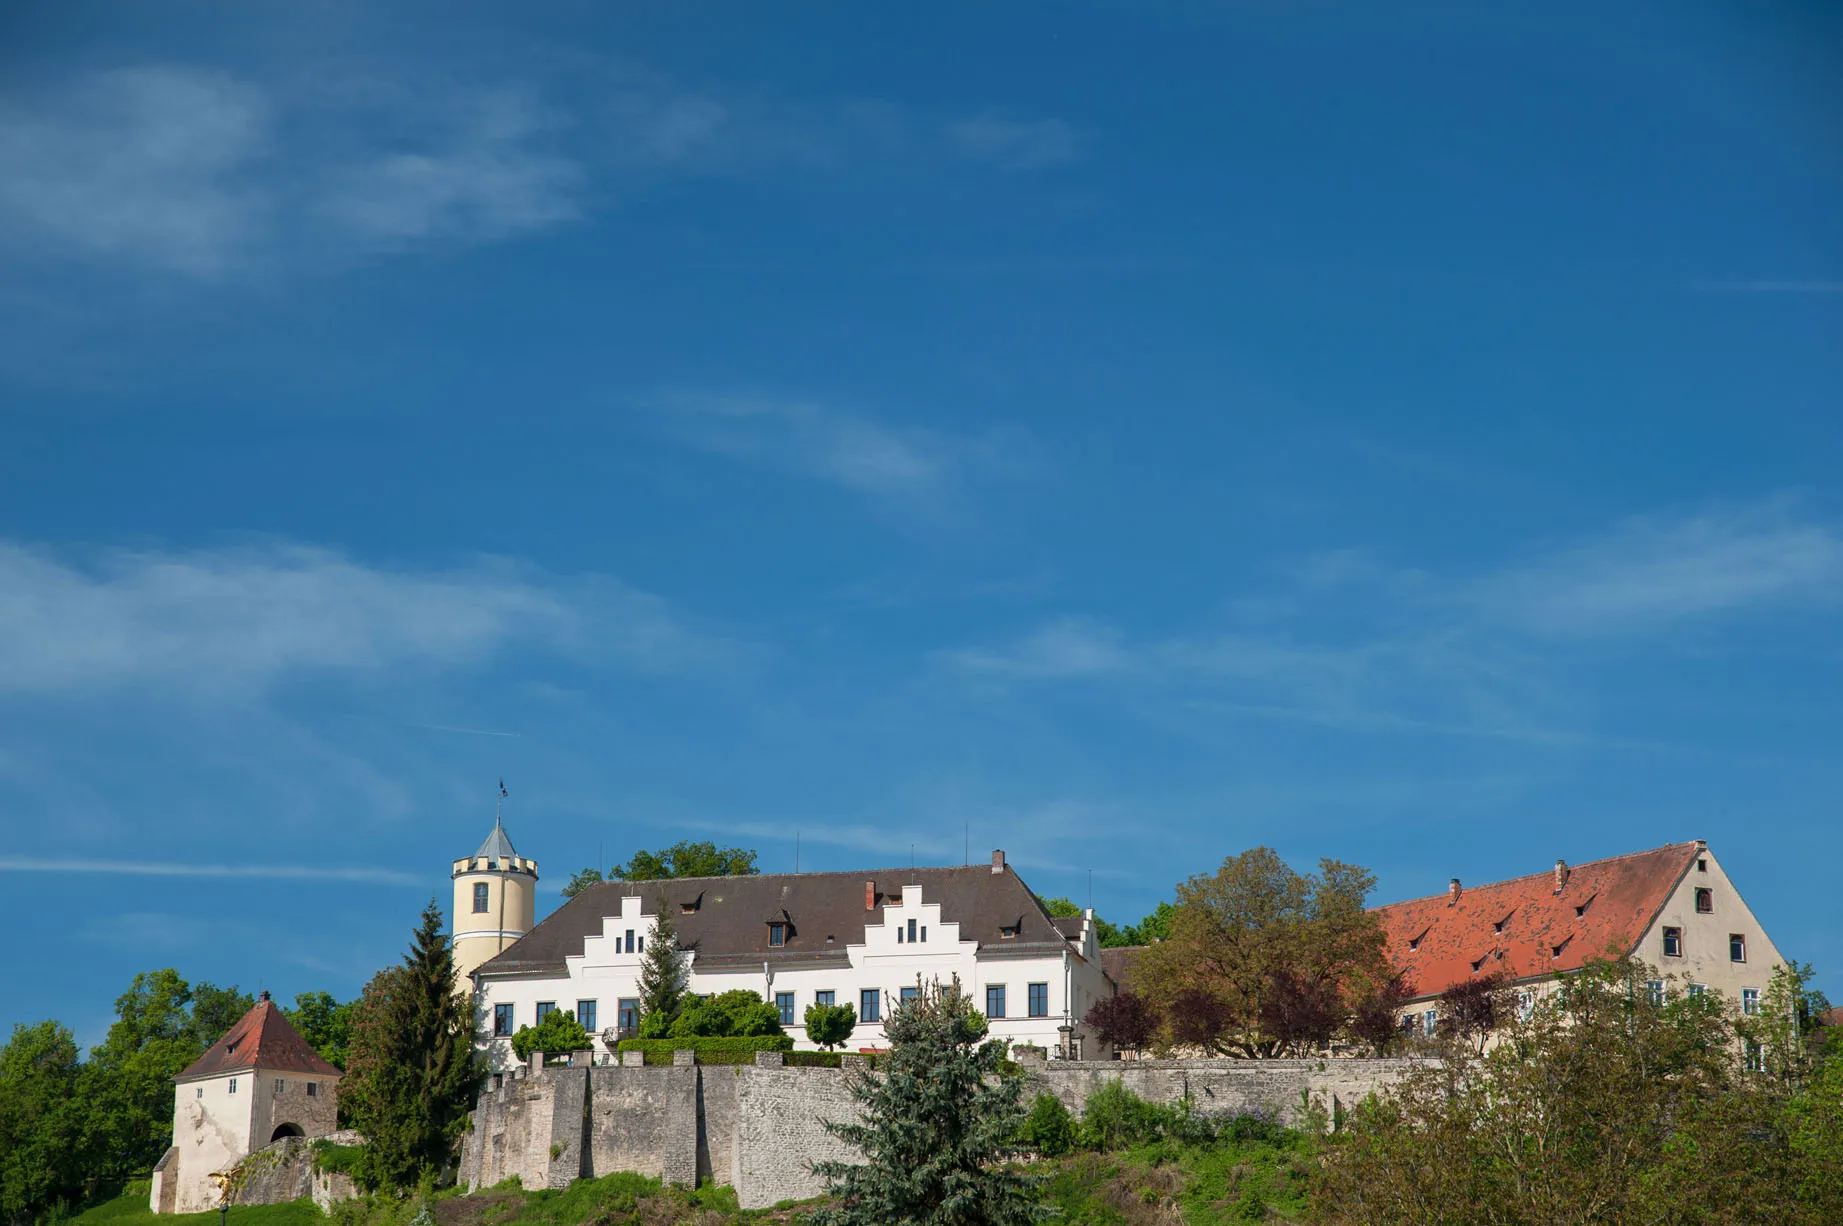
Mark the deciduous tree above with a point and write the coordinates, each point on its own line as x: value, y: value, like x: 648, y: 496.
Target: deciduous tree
x: 1125, y: 1021
x: 558, y: 1033
x: 830, y: 1026
x: 41, y: 1126
x: 682, y: 859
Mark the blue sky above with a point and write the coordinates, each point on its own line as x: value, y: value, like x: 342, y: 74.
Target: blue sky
x: 1123, y: 434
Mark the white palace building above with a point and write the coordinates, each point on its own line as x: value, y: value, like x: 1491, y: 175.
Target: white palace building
x: 864, y: 939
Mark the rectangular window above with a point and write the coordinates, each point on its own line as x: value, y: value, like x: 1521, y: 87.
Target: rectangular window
x: 924, y: 934
x: 502, y: 1021
x: 279, y: 1085
x: 585, y: 1015
x: 1698, y: 990
x: 784, y: 1003
x: 627, y: 1014
x: 201, y: 1092
x: 870, y: 1005
x: 1673, y: 942
x: 908, y: 996
x: 1737, y: 947
x: 898, y: 934
x: 911, y: 932
x: 1039, y: 1000
x: 777, y: 935
x: 630, y: 941
x: 1750, y: 1001
x: 313, y: 1089
x: 1407, y: 1024
x: 995, y: 1000
x: 1430, y: 1022
x: 825, y: 998
x: 479, y: 898
x: 1526, y: 1005
x: 1705, y: 901
x: 1755, y: 1058
x: 1654, y: 992
x: 545, y: 1009
x: 233, y: 1085
x: 640, y: 944
x: 1702, y: 866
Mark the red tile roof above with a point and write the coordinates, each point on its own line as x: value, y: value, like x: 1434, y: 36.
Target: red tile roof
x: 262, y: 1039
x: 1606, y: 905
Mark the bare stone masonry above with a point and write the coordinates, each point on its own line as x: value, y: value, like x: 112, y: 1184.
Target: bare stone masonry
x: 759, y: 1128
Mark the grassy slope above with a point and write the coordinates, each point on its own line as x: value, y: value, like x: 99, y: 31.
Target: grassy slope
x: 130, y: 1209
x: 1165, y: 1183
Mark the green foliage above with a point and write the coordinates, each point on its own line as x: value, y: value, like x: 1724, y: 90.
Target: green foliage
x: 325, y: 1023
x: 41, y: 1124
x: 1814, y: 1122
x: 937, y: 1130
x: 1049, y: 1129
x: 682, y: 859
x: 131, y: 1209
x: 337, y: 1159
x: 709, y: 1046
x: 663, y: 974
x: 413, y: 1075
x: 815, y: 1059
x: 558, y: 1033
x: 830, y: 1026
x: 736, y: 1012
x: 1600, y: 1099
x: 1262, y: 1176
x: 215, y: 1010
x: 1116, y: 1118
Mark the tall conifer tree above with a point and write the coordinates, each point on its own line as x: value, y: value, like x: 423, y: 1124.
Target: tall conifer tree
x: 938, y: 1129
x: 662, y: 975
x: 412, y: 1075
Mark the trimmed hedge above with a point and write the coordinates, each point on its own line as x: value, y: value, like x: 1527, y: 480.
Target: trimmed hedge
x: 710, y: 1049
x: 812, y: 1059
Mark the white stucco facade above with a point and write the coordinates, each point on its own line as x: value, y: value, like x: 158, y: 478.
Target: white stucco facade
x: 1042, y: 989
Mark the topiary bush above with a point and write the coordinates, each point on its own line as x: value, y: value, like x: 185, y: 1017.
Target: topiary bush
x: 1049, y: 1129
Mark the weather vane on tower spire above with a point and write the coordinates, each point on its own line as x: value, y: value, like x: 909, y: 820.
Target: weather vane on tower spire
x: 500, y: 804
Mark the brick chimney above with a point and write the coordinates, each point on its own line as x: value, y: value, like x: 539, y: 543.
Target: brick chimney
x: 1452, y: 891
x: 998, y: 860
x: 870, y: 895
x: 1561, y: 874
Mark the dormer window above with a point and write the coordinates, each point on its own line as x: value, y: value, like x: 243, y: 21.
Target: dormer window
x: 1009, y: 930
x: 1500, y: 925
x: 1555, y: 951
x: 777, y: 935
x: 1582, y: 909
x: 1414, y: 943
x: 689, y: 908
x: 1478, y: 963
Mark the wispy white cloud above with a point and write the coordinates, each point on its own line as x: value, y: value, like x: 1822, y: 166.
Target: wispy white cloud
x: 254, y: 872
x: 910, y: 465
x: 1066, y: 647
x: 1015, y: 144
x: 239, y: 620
x: 1771, y: 287
x: 192, y: 170
x: 1658, y: 571
x: 155, y: 165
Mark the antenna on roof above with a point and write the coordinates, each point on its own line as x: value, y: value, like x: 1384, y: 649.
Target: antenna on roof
x: 500, y: 804
x: 1090, y: 889
x: 796, y: 852
x: 966, y: 844
x: 911, y: 857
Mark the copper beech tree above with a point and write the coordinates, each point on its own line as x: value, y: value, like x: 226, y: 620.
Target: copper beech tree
x: 1264, y: 961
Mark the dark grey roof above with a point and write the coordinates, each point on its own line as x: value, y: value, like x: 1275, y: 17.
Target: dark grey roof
x: 497, y: 845
x: 1068, y: 925
x: 825, y: 912
x: 1118, y: 963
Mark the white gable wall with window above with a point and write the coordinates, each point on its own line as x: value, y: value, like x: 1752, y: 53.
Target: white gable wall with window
x: 1042, y: 988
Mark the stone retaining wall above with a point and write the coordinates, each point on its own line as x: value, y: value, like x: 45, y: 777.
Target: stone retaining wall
x: 760, y: 1127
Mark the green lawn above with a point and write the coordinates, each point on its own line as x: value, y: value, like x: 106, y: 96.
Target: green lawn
x: 130, y: 1209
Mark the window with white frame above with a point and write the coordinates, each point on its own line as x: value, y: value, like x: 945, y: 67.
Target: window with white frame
x: 1673, y: 942
x: 1737, y: 947
x: 233, y: 1085
x: 1654, y: 992
x: 1750, y: 1001
x: 1526, y: 1004
x: 1698, y: 990
x: 479, y: 898
x: 280, y: 1085
x: 1430, y: 1022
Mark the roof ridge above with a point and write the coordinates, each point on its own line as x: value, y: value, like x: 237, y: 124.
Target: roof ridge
x: 1649, y: 851
x: 847, y: 872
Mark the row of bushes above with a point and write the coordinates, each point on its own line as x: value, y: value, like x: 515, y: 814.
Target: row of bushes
x: 710, y: 1049
x: 1116, y: 1118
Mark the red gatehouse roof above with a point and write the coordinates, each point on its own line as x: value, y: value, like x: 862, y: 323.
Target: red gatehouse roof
x: 262, y: 1039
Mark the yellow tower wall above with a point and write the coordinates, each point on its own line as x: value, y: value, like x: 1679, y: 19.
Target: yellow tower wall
x: 511, y: 909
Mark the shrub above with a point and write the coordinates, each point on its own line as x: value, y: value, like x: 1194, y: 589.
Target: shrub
x: 1116, y: 1118
x: 814, y: 1059
x: 1049, y: 1128
x: 709, y: 1046
x: 830, y: 1025
x: 336, y: 1159
x: 736, y: 1012
x: 557, y: 1034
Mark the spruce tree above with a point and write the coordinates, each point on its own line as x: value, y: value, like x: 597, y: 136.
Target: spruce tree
x: 662, y: 975
x: 938, y: 1127
x: 413, y: 1075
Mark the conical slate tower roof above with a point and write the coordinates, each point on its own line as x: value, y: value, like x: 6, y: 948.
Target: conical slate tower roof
x: 262, y: 1039
x: 497, y: 845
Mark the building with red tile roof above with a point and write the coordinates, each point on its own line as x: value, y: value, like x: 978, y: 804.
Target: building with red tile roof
x: 1672, y: 907
x: 260, y: 1082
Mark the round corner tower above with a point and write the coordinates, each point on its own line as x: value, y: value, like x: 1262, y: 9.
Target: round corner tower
x: 495, y: 900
